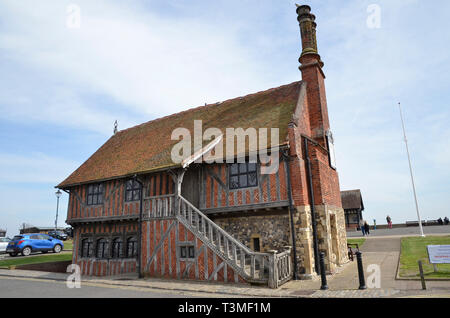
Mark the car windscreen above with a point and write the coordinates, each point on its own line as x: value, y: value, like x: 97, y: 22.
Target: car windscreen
x: 17, y: 237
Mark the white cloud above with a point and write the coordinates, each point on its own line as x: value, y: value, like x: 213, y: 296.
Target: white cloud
x: 131, y: 62
x: 154, y: 65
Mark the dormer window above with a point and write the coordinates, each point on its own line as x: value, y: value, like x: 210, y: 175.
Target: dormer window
x: 95, y: 194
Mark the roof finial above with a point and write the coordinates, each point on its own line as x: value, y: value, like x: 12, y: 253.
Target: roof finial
x: 115, y: 127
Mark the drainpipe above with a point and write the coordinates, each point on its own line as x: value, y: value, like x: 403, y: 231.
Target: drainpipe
x: 140, y: 226
x: 291, y: 207
x: 313, y: 208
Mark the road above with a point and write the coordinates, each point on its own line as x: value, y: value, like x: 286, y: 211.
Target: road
x: 14, y: 287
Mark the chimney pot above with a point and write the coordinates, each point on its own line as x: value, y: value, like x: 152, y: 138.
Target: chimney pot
x: 308, y: 31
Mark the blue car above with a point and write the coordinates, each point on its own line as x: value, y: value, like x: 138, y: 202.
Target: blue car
x: 35, y: 242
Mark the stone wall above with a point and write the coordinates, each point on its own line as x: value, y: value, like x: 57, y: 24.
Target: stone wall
x: 332, y: 236
x: 304, y: 242
x: 272, y: 229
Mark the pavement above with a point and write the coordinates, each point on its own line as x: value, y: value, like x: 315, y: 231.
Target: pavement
x: 380, y: 260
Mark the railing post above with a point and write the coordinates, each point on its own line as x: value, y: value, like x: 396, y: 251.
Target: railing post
x: 203, y: 227
x: 227, y: 247
x: 273, y: 275
x: 252, y: 266
x: 261, y: 267
x: 289, y: 265
x: 362, y: 281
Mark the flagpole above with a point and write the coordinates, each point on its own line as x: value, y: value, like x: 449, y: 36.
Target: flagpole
x: 411, y: 172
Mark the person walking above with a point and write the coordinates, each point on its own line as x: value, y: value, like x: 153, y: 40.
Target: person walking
x: 389, y: 222
x: 362, y: 227
x: 366, y: 228
x: 446, y: 220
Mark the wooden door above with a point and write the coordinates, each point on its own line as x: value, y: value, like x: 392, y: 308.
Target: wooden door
x: 190, y: 188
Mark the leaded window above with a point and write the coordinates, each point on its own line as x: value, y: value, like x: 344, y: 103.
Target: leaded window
x: 102, y: 248
x: 133, y: 190
x: 86, y: 248
x: 131, y: 247
x: 187, y: 251
x: 95, y: 194
x: 117, y: 248
x: 243, y: 175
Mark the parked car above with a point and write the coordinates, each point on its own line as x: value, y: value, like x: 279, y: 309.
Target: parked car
x: 69, y: 231
x: 27, y: 243
x: 58, y: 234
x: 3, y: 244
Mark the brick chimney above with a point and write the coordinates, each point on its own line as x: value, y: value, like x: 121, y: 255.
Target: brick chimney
x: 312, y: 73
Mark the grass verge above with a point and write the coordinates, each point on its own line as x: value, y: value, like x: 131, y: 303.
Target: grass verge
x: 415, y: 249
x: 68, y: 245
x: 359, y: 241
x: 36, y: 259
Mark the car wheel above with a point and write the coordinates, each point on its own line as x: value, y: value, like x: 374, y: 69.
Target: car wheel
x: 12, y: 254
x: 26, y: 251
x: 57, y: 248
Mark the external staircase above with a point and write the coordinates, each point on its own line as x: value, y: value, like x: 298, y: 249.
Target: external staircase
x: 272, y: 269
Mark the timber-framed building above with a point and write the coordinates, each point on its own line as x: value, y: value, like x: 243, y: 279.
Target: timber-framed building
x: 134, y: 210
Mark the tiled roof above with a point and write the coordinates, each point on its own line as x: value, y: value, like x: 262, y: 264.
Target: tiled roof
x: 352, y: 199
x: 147, y: 147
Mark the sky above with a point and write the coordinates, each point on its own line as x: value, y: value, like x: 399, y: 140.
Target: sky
x: 64, y: 83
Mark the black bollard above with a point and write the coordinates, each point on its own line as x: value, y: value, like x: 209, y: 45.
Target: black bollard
x: 422, y: 278
x: 362, y: 281
x: 323, y: 275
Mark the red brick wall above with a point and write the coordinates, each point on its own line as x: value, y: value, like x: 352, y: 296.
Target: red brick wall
x: 314, y: 123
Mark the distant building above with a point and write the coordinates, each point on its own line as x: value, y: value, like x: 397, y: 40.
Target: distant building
x: 2, y: 233
x: 39, y: 229
x: 353, y: 206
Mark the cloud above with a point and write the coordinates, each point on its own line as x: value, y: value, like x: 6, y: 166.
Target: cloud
x: 151, y: 65
x: 140, y: 60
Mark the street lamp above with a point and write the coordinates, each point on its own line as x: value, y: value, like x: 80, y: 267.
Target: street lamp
x: 58, y: 195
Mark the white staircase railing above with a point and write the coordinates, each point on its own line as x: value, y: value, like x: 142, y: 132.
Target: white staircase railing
x: 271, y: 268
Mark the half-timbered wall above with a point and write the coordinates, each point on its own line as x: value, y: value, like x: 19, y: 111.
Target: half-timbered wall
x: 215, y: 195
x: 162, y: 240
x: 114, y: 204
x: 107, y: 265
